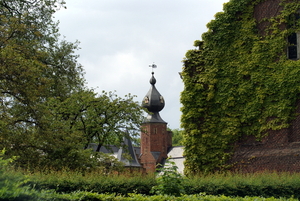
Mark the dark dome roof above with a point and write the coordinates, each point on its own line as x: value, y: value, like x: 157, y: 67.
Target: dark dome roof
x: 154, y: 102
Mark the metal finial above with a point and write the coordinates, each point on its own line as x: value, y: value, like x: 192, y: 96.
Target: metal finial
x: 152, y: 66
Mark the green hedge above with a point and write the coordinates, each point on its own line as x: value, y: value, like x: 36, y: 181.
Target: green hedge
x: 70, y: 182
x: 264, y: 185
x: 245, y: 190
x: 85, y: 196
x: 139, y: 197
x: 260, y: 184
x: 73, y: 186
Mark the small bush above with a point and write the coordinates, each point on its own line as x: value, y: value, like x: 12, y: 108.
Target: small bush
x: 169, y: 181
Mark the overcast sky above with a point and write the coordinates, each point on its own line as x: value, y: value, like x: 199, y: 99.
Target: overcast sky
x: 119, y: 39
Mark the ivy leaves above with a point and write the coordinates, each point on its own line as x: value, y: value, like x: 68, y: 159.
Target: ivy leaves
x: 238, y: 83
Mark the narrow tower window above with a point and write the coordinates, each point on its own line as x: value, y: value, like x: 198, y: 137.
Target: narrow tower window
x: 293, y: 46
x: 293, y: 51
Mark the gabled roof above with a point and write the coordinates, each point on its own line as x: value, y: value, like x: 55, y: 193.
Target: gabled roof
x: 176, y: 152
x: 130, y: 160
x: 176, y: 155
x: 108, y: 149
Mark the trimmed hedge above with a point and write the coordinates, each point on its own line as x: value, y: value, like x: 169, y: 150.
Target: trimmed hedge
x: 244, y: 190
x: 84, y: 196
x: 70, y: 182
x: 264, y: 184
x: 260, y: 184
x: 139, y: 197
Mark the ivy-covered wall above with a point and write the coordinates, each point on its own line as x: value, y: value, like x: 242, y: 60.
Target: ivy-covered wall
x: 239, y: 81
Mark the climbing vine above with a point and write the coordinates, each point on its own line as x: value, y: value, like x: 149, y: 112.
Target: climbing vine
x: 238, y: 82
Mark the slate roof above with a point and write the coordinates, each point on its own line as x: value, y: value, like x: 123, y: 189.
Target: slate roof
x: 130, y: 160
x: 175, y: 154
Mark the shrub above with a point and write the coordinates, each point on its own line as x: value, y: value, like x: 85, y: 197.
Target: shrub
x: 169, y: 181
x: 70, y: 181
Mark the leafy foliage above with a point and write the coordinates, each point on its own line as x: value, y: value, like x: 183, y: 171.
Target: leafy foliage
x: 70, y: 184
x: 9, y: 183
x: 34, y: 67
x: 139, y: 197
x: 238, y: 82
x: 71, y: 181
x: 169, y: 181
x: 47, y: 115
x: 13, y: 185
x: 177, y: 137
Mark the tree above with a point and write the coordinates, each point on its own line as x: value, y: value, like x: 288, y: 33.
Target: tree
x: 177, y: 137
x: 238, y: 82
x: 35, y: 66
x: 47, y: 115
x: 103, y: 119
x: 83, y: 118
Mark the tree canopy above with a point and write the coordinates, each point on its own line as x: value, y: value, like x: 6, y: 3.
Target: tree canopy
x: 177, y: 137
x: 238, y: 82
x: 47, y: 114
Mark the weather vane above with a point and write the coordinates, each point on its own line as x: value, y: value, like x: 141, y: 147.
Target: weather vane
x: 152, y: 66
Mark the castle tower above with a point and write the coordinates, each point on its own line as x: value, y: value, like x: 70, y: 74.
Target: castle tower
x: 155, y: 139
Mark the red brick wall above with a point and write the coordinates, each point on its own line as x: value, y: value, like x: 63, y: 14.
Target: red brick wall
x: 266, y: 9
x: 280, y: 150
x: 154, y: 138
x: 158, y: 138
x: 148, y: 162
x: 169, y: 139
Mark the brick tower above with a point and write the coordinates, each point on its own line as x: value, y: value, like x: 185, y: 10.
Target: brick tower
x: 155, y: 139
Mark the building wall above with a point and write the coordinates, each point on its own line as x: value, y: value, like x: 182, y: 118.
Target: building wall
x: 169, y: 139
x: 279, y: 150
x: 266, y: 9
x: 154, y: 138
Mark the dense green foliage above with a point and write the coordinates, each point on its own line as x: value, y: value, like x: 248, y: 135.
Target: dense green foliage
x: 139, y: 197
x: 84, y: 195
x: 238, y: 82
x: 260, y: 184
x: 47, y: 115
x: 10, y: 184
x: 67, y: 182
x: 177, y: 137
x: 13, y: 185
x: 168, y: 181
x: 68, y: 185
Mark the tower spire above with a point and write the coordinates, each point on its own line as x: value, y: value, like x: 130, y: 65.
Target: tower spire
x: 153, y: 66
x: 155, y: 139
x: 153, y: 101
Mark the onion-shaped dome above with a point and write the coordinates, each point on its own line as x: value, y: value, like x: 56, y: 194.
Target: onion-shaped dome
x: 154, y: 102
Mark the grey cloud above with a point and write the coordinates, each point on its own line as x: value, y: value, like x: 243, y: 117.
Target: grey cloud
x: 119, y: 39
